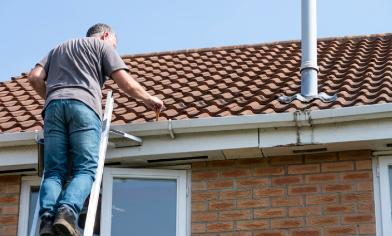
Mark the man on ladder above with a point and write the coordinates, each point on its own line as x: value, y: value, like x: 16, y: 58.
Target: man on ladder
x: 70, y: 79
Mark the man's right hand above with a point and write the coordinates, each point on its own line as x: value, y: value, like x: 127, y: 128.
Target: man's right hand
x: 154, y: 103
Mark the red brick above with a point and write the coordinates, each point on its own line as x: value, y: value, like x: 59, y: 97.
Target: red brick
x: 304, y: 211
x: 284, y: 160
x: 267, y: 171
x: 305, y: 232
x: 221, y: 164
x: 204, y: 217
x: 200, y: 206
x: 196, y: 186
x: 10, y: 230
x: 304, y: 169
x: 287, y: 201
x: 363, y: 165
x: 1, y: 210
x: 207, y: 196
x: 287, y: 180
x: 365, y: 186
x: 8, y: 220
x: 358, y: 219
x: 367, y: 229
x: 239, y: 173
x: 338, y: 188
x: 359, y: 175
x: 226, y: 184
x: 337, y: 166
x: 9, y: 199
x: 236, y: 234
x: 238, y: 194
x: 220, y: 227
x: 322, y: 199
x: 268, y: 192
x: 252, y: 225
x: 10, y: 179
x: 357, y: 197
x: 302, y: 190
x: 205, y: 175
x: 11, y: 210
x: 366, y: 207
x: 250, y: 162
x: 355, y: 155
x: 270, y: 233
x: 220, y: 206
x: 320, y: 157
x: 339, y: 209
x: 234, y: 215
x: 1, y: 189
x: 269, y: 213
x: 341, y: 230
x: 250, y: 183
x: 322, y: 221
x: 321, y: 178
x: 250, y: 204
x: 286, y: 223
x: 198, y: 228
x: 199, y: 165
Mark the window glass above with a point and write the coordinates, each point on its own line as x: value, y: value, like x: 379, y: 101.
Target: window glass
x: 79, y: 222
x: 144, y: 207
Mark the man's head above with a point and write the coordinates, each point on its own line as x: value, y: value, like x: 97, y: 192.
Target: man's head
x: 103, y: 32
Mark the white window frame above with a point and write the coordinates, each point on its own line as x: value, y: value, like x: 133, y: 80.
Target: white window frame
x: 24, y: 207
x: 179, y: 175
x: 382, y: 195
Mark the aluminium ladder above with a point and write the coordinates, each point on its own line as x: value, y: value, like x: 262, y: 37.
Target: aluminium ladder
x: 94, y: 194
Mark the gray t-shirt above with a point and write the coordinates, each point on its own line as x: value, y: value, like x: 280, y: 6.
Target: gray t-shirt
x: 78, y: 69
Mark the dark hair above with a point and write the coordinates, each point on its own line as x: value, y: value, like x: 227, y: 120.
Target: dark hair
x: 99, y: 29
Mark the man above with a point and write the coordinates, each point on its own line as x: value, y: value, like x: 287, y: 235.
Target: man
x: 70, y: 79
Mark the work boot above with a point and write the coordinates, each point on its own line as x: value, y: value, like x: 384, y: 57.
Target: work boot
x: 46, y: 227
x: 64, y: 223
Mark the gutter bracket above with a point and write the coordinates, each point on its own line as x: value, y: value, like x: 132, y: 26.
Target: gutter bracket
x: 171, y: 129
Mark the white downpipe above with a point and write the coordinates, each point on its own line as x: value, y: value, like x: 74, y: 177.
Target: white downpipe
x: 309, y: 68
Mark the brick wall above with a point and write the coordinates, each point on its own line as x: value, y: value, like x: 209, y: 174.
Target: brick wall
x: 303, y: 195
x: 9, y: 204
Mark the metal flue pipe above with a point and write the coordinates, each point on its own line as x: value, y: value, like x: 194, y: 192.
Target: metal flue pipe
x: 309, y: 68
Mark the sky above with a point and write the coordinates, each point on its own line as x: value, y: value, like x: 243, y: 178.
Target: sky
x: 30, y: 29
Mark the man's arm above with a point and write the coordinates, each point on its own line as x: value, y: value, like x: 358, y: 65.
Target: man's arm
x: 133, y: 89
x: 36, y: 79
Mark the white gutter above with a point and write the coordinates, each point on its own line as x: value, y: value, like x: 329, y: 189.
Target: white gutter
x: 368, y: 112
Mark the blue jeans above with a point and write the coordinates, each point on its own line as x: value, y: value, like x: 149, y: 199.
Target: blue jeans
x: 70, y: 127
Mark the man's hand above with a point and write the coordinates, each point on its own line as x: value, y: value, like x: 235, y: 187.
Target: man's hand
x: 36, y: 79
x: 154, y: 103
x: 133, y: 89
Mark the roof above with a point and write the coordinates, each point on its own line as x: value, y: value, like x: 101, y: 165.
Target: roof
x: 230, y: 81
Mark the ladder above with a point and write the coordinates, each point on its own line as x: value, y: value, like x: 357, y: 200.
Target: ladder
x: 94, y: 194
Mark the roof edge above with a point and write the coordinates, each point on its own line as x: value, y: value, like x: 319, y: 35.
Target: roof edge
x: 297, y: 41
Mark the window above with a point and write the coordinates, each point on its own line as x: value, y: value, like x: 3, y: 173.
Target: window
x: 145, y: 202
x: 28, y: 202
x: 384, y: 198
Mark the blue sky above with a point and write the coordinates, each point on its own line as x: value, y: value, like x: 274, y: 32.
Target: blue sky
x: 31, y: 28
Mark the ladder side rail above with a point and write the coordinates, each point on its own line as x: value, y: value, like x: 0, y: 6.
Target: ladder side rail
x: 94, y: 195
